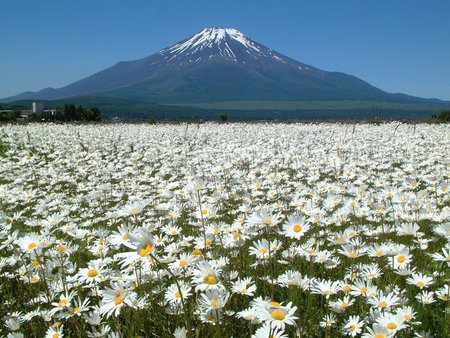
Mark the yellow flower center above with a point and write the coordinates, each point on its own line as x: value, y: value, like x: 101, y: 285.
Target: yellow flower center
x: 75, y: 310
x: 268, y: 221
x: 62, y: 249
x: 363, y: 289
x: 36, y: 263
x: 274, y: 303
x: 237, y: 235
x: 346, y: 288
x: 204, y: 211
x: 352, y: 254
x: 210, y: 279
x: 383, y: 304
x: 125, y: 237
x: 420, y: 283
x: 345, y: 304
x: 196, y: 252
x: 278, y: 314
x: 263, y: 250
x: 145, y: 250
x: 391, y: 326
x: 401, y: 259
x: 178, y: 294
x: 379, y: 335
x: 32, y: 245
x: 207, y: 242
x: 183, y: 263
x: 211, y: 318
x: 92, y: 273
x: 297, y: 228
x: 118, y: 299
x: 62, y: 302
x: 55, y: 335
x: 379, y: 253
x: 352, y: 327
x: 214, y: 303
x: 407, y: 317
x: 244, y: 291
x: 135, y: 211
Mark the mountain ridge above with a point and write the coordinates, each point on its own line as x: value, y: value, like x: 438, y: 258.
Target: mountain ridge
x: 219, y: 64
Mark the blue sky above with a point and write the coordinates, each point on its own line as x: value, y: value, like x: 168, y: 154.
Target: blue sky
x: 399, y: 46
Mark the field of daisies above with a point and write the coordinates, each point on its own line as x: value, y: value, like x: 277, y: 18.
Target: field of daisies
x: 225, y: 230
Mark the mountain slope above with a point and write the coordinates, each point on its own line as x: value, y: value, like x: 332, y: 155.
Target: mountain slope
x: 219, y: 64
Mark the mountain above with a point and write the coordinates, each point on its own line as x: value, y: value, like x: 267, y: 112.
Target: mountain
x: 215, y: 65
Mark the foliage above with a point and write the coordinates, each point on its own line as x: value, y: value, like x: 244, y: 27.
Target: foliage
x: 444, y: 116
x: 223, y: 117
x: 70, y: 113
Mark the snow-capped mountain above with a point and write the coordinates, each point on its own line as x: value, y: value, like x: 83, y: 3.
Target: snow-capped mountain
x: 218, y: 64
x: 220, y: 44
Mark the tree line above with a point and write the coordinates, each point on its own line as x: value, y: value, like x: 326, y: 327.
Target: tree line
x: 69, y: 113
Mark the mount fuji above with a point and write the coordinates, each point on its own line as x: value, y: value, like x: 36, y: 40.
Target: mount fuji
x: 218, y: 64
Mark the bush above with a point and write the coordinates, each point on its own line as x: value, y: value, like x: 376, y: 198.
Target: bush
x: 444, y: 116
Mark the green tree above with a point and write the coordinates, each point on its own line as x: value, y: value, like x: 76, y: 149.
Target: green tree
x: 96, y: 115
x: 223, y: 117
x: 444, y: 116
x: 69, y: 112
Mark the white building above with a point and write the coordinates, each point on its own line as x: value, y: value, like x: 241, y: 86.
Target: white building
x: 38, y: 107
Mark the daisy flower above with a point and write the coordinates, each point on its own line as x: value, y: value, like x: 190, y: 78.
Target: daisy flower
x: 383, y: 301
x: 175, y: 295
x: 341, y: 305
x: 115, y: 298
x: 426, y: 297
x: 443, y: 293
x: 54, y: 332
x: 211, y: 316
x: 277, y: 315
x: 377, y: 331
x: 407, y: 313
x: 205, y: 276
x: 352, y: 326
x: 30, y: 243
x: 328, y: 321
x: 401, y: 259
x: 142, y: 241
x: 392, y: 322
x: 94, y: 273
x: 249, y: 314
x: 295, y: 227
x: 420, y: 280
x: 267, y: 331
x: 444, y: 257
x: 244, y: 286
x: 326, y: 287
x: 213, y: 299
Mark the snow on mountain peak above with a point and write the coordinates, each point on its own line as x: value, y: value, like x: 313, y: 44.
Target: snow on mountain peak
x: 226, y: 44
x: 209, y: 37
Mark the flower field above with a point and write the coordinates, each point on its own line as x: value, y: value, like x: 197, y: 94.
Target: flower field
x: 225, y: 230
